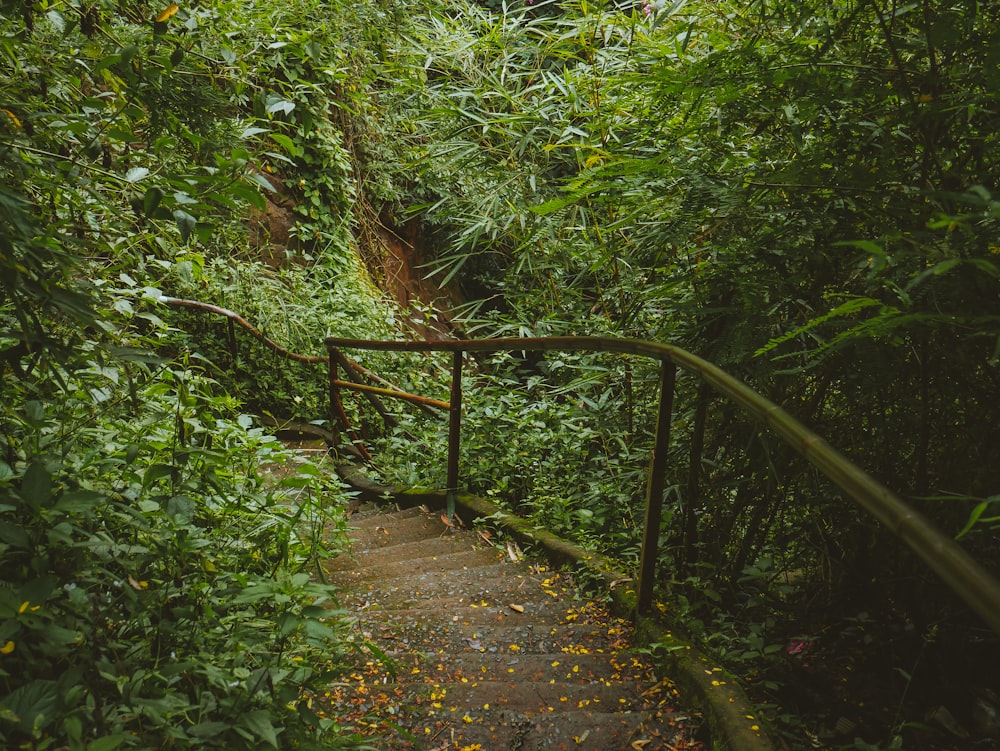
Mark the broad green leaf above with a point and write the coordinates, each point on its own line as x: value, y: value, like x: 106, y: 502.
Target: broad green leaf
x: 76, y: 501
x: 13, y: 534
x: 185, y: 223
x: 155, y: 472
x: 276, y: 104
x: 57, y: 636
x: 262, y: 181
x: 34, y: 413
x: 181, y: 508
x: 127, y: 53
x: 261, y: 724
x: 151, y: 200
x: 108, y: 743
x: 36, y: 485
x: 286, y: 143
x: 33, y: 704
x: 208, y: 729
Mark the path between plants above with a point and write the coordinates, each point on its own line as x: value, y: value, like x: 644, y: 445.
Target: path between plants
x: 471, y: 646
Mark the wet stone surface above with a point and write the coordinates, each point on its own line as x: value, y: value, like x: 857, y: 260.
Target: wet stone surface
x: 463, y: 647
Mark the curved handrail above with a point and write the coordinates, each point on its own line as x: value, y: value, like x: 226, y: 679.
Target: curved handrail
x: 350, y: 366
x: 970, y: 581
x: 236, y: 317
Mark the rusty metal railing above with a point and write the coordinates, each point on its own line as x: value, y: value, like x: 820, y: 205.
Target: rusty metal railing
x: 979, y: 589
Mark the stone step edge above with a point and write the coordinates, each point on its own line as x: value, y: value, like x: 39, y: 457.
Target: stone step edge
x: 731, y: 716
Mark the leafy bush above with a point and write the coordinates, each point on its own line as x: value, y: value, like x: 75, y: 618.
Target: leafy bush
x: 156, y: 591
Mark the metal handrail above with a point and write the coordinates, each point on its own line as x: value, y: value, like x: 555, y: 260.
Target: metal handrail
x: 353, y: 369
x: 966, y: 578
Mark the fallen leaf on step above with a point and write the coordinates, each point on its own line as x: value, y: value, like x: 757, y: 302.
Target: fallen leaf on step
x: 484, y: 535
x: 447, y: 522
x: 516, y: 608
x: 639, y: 745
x: 513, y: 551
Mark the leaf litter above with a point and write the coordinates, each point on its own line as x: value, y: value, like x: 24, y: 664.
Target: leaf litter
x: 478, y: 670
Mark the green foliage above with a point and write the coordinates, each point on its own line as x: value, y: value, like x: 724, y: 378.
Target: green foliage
x: 542, y: 442
x: 787, y: 189
x: 513, y: 103
x: 155, y: 590
x: 295, y: 306
x: 803, y: 193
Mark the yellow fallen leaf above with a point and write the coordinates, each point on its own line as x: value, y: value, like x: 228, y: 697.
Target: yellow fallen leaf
x: 12, y: 117
x: 639, y: 745
x: 516, y: 608
x: 169, y: 11
x: 7, y: 648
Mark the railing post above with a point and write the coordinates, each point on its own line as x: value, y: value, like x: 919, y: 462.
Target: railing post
x: 454, y: 430
x: 234, y: 349
x: 334, y: 392
x: 338, y: 415
x: 335, y: 408
x: 654, y: 488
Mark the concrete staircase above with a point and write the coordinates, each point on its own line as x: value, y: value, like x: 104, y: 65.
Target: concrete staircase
x: 468, y: 645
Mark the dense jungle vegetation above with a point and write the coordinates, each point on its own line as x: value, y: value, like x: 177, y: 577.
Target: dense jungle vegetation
x: 802, y: 192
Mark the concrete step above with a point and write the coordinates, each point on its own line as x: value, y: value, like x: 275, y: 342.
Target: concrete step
x: 403, y: 552
x: 513, y: 640
x: 499, y: 582
x: 482, y: 649
x: 367, y: 516
x: 392, y: 531
x: 432, y: 568
x: 553, y: 731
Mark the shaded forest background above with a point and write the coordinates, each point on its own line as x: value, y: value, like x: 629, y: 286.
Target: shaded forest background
x: 801, y: 192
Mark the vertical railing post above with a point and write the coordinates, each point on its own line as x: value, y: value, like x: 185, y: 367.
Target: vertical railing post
x: 234, y: 349
x: 335, y: 408
x: 454, y: 430
x: 338, y: 415
x: 654, y: 488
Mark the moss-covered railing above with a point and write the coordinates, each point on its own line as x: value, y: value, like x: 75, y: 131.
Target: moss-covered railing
x: 965, y: 577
